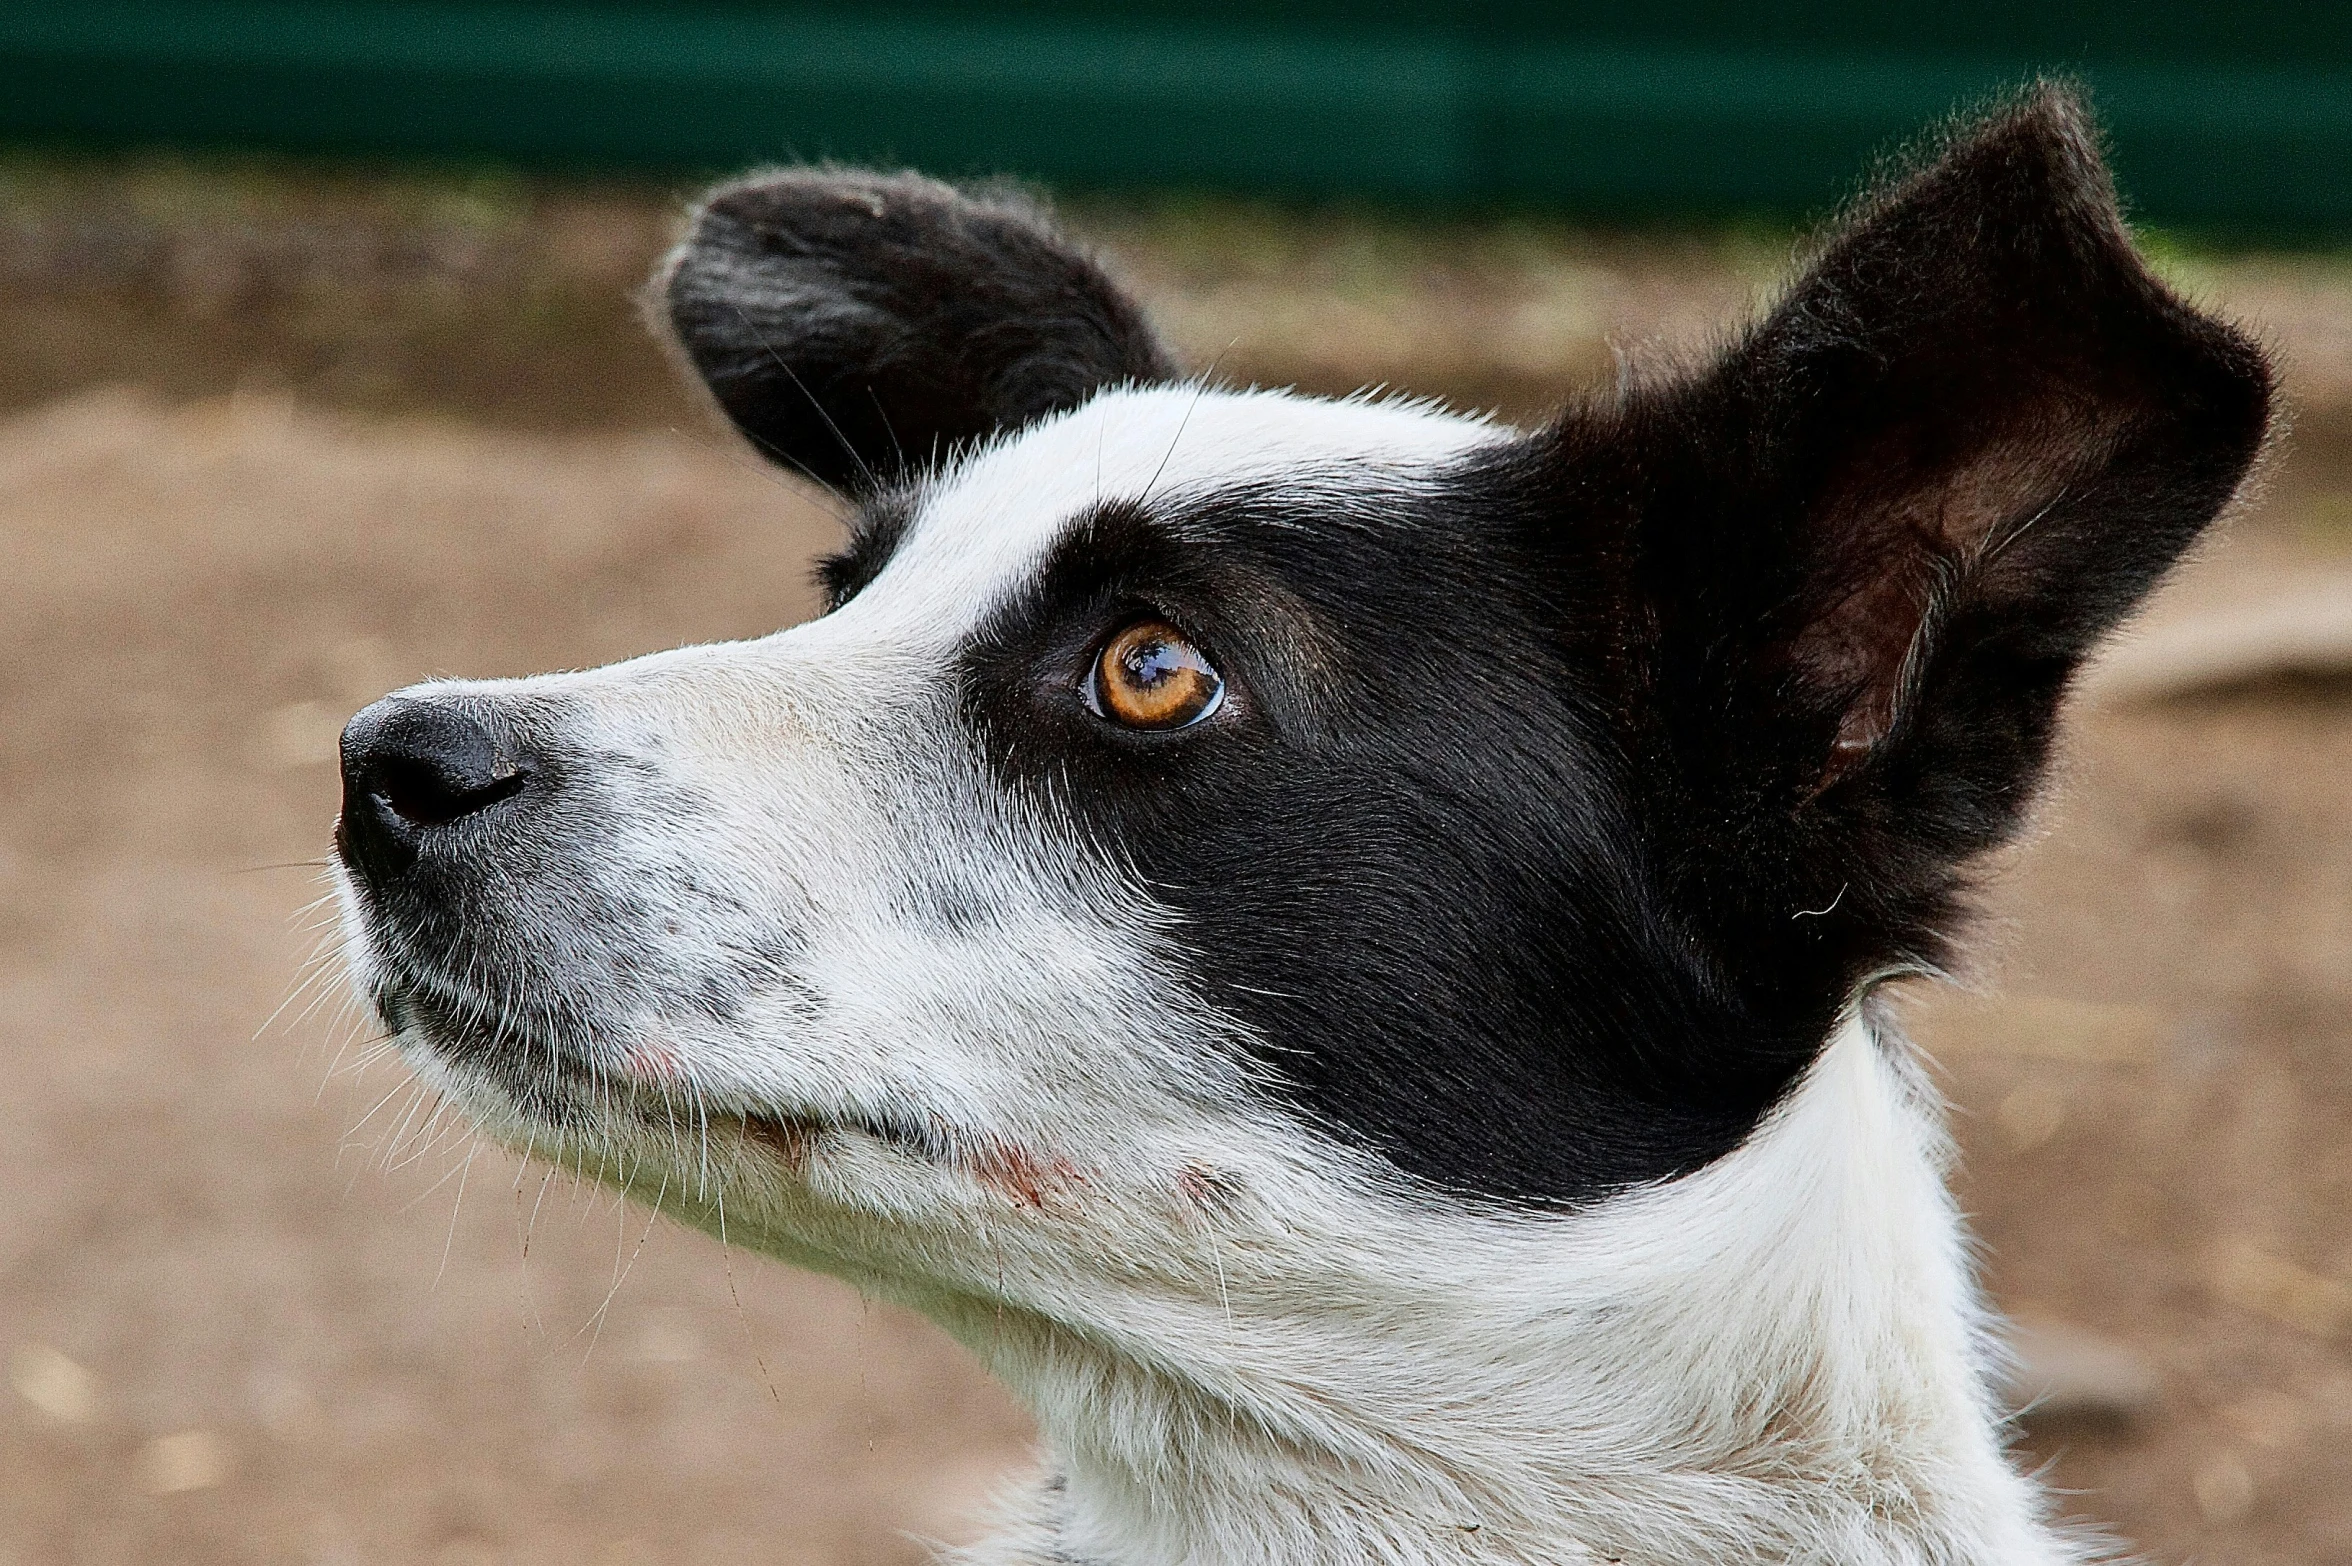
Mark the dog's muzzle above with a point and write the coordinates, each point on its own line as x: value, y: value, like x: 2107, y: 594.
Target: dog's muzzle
x: 458, y: 834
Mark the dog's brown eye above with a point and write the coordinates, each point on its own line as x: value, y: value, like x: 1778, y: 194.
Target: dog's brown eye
x: 1149, y: 677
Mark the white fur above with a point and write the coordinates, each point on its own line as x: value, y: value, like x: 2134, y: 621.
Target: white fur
x: 988, y: 521
x: 1244, y: 1343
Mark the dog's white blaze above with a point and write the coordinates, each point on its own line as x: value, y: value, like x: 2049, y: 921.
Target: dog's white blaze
x: 987, y: 523
x: 1246, y: 1343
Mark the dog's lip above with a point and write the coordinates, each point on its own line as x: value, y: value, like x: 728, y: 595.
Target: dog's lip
x: 789, y: 1139
x: 1016, y: 1173
x: 789, y: 1134
x: 438, y: 1014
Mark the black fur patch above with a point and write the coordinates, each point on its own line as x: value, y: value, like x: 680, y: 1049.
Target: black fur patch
x: 1557, y: 812
x: 858, y: 326
x: 875, y: 533
x: 1401, y: 850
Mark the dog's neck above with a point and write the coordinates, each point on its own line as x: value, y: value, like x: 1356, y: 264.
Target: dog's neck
x: 1776, y: 1359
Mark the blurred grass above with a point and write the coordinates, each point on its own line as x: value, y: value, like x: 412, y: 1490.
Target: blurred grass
x: 489, y: 295
x: 494, y: 296
x: 469, y: 291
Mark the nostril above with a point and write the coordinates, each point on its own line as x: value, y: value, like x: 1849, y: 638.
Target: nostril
x: 411, y: 765
x: 421, y: 794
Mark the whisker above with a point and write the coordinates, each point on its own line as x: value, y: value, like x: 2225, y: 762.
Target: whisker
x: 449, y: 1241
x: 823, y: 498
x: 742, y: 1316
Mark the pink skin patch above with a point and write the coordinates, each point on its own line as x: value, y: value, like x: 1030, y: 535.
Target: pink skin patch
x: 651, y: 1059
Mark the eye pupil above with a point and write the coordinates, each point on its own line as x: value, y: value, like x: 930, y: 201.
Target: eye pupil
x: 1150, y: 676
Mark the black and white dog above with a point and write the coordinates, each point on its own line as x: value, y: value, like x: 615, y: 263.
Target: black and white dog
x: 1332, y: 943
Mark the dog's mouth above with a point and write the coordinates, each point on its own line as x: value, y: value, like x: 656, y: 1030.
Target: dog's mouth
x: 792, y: 1139
x: 569, y: 1085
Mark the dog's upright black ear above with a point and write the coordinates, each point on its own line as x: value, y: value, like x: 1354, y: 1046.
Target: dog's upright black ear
x: 855, y: 325
x: 1866, y: 549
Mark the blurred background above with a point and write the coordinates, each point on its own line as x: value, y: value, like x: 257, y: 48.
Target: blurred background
x: 319, y: 373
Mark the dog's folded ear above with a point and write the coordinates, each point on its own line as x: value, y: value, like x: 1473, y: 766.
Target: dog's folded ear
x: 855, y: 325
x: 1871, y: 543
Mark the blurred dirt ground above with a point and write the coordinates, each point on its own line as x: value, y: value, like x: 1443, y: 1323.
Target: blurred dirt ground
x: 280, y: 439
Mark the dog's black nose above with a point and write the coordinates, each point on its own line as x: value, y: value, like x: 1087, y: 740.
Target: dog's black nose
x: 412, y: 766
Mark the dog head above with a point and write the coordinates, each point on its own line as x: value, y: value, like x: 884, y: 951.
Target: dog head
x: 1197, y: 801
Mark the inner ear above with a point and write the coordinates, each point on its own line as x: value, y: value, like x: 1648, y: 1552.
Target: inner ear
x: 857, y: 326
x: 1912, y: 523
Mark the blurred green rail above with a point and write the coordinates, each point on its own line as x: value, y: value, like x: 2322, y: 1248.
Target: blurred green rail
x: 2225, y: 115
